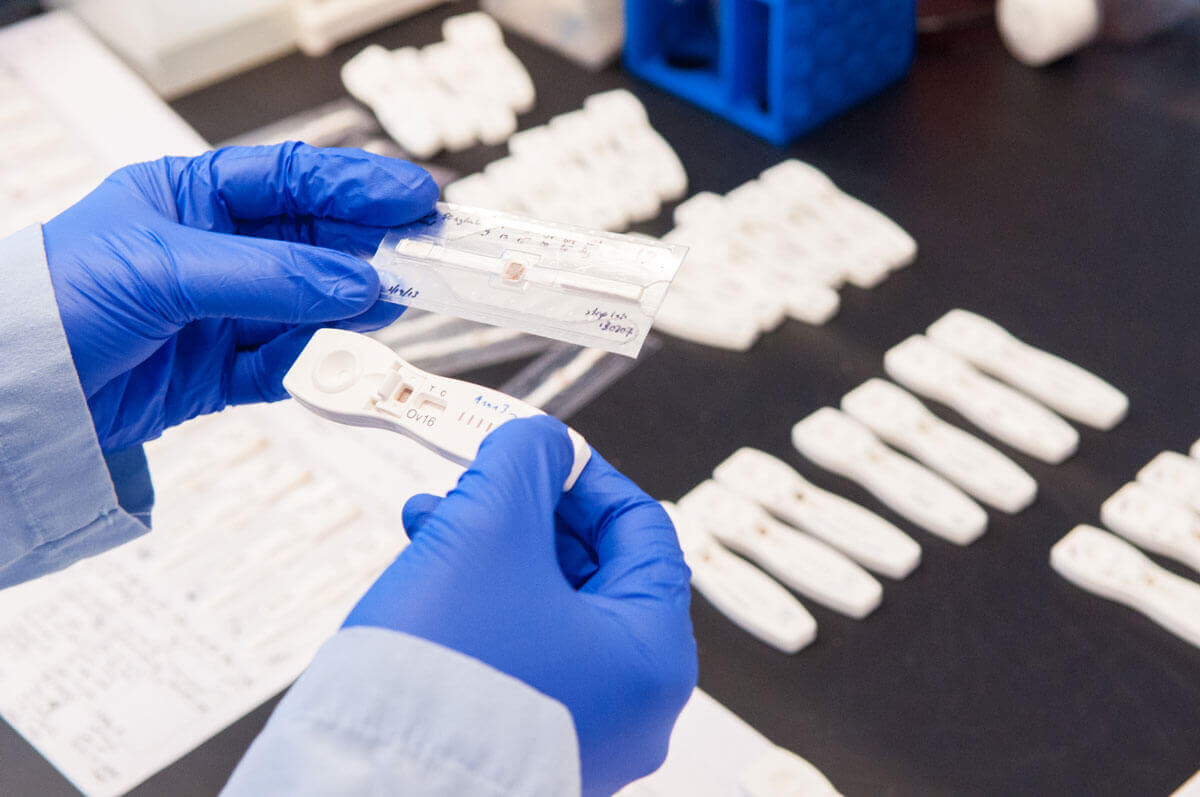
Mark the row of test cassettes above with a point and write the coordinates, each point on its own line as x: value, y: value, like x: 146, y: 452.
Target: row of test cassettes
x: 925, y: 469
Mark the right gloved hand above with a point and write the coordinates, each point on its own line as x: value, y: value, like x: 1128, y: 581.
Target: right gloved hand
x: 582, y: 595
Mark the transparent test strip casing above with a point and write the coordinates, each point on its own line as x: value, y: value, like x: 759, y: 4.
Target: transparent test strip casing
x: 588, y: 287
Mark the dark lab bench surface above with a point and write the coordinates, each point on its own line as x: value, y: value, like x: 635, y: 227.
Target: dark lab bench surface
x: 1062, y: 203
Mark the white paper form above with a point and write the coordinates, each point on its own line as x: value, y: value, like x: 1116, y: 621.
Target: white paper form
x: 714, y: 753
x: 70, y: 113
x: 269, y: 523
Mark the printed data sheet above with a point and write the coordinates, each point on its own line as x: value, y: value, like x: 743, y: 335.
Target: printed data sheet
x: 269, y: 523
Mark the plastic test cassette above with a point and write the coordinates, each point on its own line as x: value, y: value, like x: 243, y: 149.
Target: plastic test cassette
x: 355, y: 380
x: 582, y: 286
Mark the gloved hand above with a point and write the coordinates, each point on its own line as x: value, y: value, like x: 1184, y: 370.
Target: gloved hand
x: 607, y: 634
x: 186, y: 284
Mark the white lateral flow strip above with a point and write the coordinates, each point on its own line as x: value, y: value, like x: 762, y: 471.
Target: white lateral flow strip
x: 477, y: 338
x: 1154, y: 522
x: 799, y: 561
x: 837, y: 442
x: 736, y: 250
x: 352, y: 379
x: 1106, y: 565
x: 1061, y: 385
x: 562, y: 378
x: 870, y: 243
x: 602, y: 166
x: 777, y: 246
x: 899, y: 418
x: 705, y: 320
x: 740, y: 591
x: 1011, y: 417
x: 451, y: 94
x: 1174, y: 475
x: 1195, y: 451
x: 859, y: 533
x: 414, y: 329
x: 782, y: 773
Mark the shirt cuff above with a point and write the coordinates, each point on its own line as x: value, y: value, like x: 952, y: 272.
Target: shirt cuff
x: 57, y: 501
x: 382, y: 712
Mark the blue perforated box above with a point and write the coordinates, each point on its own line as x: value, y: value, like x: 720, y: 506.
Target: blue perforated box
x: 776, y: 67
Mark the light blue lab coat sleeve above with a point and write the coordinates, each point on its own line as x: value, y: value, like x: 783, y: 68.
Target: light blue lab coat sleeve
x: 380, y: 713
x: 61, y: 498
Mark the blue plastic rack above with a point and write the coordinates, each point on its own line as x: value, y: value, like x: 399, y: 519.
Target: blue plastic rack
x: 775, y: 67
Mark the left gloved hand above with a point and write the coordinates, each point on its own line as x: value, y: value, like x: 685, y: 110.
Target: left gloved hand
x: 187, y: 284
x: 582, y: 595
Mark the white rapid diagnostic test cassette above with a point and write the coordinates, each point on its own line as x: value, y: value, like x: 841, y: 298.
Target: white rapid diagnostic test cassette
x: 799, y: 561
x: 1174, y: 475
x: 353, y: 379
x: 1108, y: 566
x: 704, y: 319
x: 839, y: 443
x: 1195, y: 450
x: 602, y: 166
x: 739, y: 590
x: 926, y: 368
x: 467, y: 88
x: 742, y: 251
x: 859, y: 533
x: 1155, y: 522
x: 899, y: 418
x: 581, y: 286
x: 1060, y: 385
x: 869, y: 243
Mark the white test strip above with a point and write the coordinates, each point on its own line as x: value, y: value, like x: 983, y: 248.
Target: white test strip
x: 782, y: 773
x: 1195, y: 450
x: 799, y: 561
x: 732, y: 266
x: 859, y: 533
x: 356, y: 380
x: 1155, y: 522
x: 899, y: 418
x: 1011, y: 417
x: 1106, y: 565
x: 1061, y: 385
x: 795, y: 177
x: 407, y: 329
x: 740, y: 591
x: 513, y: 271
x: 703, y: 319
x: 837, y: 442
x: 807, y: 198
x: 1174, y: 475
x: 753, y: 215
x: 562, y: 378
x: 699, y: 275
x: 896, y: 244
x: 444, y: 347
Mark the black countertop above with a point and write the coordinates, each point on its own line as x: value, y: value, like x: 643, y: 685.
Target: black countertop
x: 1062, y: 203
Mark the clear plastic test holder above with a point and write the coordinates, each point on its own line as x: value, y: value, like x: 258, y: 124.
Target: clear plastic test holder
x: 581, y: 286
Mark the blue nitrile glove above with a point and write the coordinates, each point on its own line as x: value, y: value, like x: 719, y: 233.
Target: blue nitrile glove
x: 482, y: 576
x: 186, y: 284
